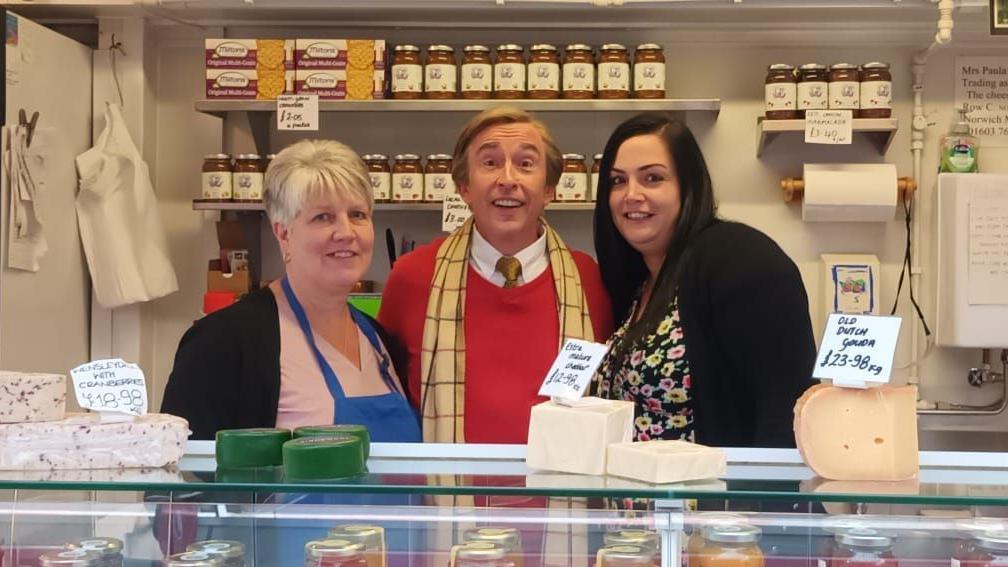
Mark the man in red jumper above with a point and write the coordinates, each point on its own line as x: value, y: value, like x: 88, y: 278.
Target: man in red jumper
x: 480, y: 315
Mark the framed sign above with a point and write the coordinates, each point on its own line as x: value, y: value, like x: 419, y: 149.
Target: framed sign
x: 999, y: 17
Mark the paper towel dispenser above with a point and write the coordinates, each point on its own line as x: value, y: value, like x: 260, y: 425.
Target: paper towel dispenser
x: 849, y: 192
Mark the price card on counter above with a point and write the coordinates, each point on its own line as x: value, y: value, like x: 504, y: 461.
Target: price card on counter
x: 111, y: 385
x: 857, y: 351
x: 454, y: 212
x: 573, y: 369
x: 297, y: 112
x: 828, y: 126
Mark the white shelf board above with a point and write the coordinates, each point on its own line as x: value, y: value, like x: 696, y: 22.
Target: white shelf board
x: 413, y: 207
x: 879, y: 131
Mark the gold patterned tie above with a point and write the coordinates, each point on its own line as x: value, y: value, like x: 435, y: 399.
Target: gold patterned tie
x: 511, y: 268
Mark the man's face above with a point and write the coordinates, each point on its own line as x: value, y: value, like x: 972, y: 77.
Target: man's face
x: 506, y: 189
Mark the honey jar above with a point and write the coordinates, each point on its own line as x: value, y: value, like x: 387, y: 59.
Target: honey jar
x: 371, y: 537
x: 813, y: 88
x: 781, y: 92
x: 595, y: 168
x: 544, y: 72
x: 507, y: 538
x: 217, y: 178
x: 862, y: 547
x: 728, y: 545
x: 477, y: 72
x: 108, y: 548
x: 247, y: 180
x: 573, y: 184
x: 407, y: 72
x: 578, y: 71
x: 231, y: 553
x: 440, y: 72
x: 334, y: 553
x: 649, y: 71
x: 438, y: 182
x: 613, y: 71
x: 381, y: 176
x: 876, y: 91
x: 407, y: 178
x: 509, y: 71
x: 70, y: 558
x: 844, y: 87
x: 626, y: 556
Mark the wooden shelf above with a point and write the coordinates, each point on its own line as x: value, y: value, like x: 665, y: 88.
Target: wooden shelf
x: 408, y: 207
x: 879, y: 131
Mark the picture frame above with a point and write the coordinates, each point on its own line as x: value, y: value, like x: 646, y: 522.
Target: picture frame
x: 999, y: 17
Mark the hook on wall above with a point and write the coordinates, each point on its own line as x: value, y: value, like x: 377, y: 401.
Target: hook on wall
x: 114, y: 47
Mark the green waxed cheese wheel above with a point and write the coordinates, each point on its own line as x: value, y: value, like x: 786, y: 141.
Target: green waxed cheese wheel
x: 350, y: 429
x: 249, y: 475
x: 323, y: 458
x: 260, y: 447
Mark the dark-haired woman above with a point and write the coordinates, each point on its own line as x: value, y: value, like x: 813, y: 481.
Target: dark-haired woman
x: 716, y: 343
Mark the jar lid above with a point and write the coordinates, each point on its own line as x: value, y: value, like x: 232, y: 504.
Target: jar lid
x: 597, y: 157
x: 476, y: 49
x: 863, y: 537
x: 481, y: 550
x: 577, y: 157
x: 439, y: 156
x: 578, y: 47
x: 407, y: 47
x: 374, y: 157
x: 844, y: 522
x: 981, y: 524
x: 613, y: 47
x: 732, y: 533
x: 370, y: 536
x: 625, y: 552
x: 71, y: 558
x: 217, y: 156
x: 407, y: 157
x: 993, y: 540
x: 510, y: 47
x: 543, y: 47
x: 640, y: 538
x: 247, y: 156
x: 219, y: 548
x: 332, y: 548
x: 105, y: 546
x: 193, y: 559
x: 506, y: 537
x: 843, y: 66
x: 271, y: 157
x: 441, y: 47
x: 781, y: 67
x: 813, y: 67
x: 875, y: 65
x: 653, y: 46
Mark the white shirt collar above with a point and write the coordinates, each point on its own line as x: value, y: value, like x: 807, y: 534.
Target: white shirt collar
x: 483, y: 256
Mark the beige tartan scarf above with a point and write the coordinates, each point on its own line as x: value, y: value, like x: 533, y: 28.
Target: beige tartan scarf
x: 442, y: 360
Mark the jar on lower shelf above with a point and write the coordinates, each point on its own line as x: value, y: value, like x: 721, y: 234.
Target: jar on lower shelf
x: 438, y: 182
x: 231, y: 553
x: 573, y: 184
x: 381, y: 176
x: 217, y: 178
x: 863, y: 547
x: 334, y: 553
x: 248, y: 178
x: 407, y: 179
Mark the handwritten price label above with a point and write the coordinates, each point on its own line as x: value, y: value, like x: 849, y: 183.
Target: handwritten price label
x: 828, y: 126
x: 857, y: 351
x: 573, y: 369
x: 454, y: 212
x: 111, y: 385
x: 297, y: 112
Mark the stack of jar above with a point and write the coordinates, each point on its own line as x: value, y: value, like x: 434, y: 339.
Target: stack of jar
x: 239, y: 180
x: 864, y: 90
x: 87, y: 552
x: 542, y: 74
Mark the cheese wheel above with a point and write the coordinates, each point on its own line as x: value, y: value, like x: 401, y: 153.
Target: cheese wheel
x: 350, y: 429
x: 258, y: 447
x: 247, y: 475
x: 323, y: 458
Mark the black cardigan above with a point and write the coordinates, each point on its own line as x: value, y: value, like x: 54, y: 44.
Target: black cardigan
x: 227, y: 368
x: 745, y: 317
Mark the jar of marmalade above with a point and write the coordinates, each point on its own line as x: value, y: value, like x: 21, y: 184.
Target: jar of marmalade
x: 231, y: 553
x: 216, y: 178
x: 371, y: 537
x: 813, y: 88
x: 876, y: 90
x: 334, y: 553
x: 728, y: 545
x: 863, y: 547
x: 407, y: 72
x: 844, y: 87
x: 641, y: 538
x: 613, y: 71
x: 626, y: 556
x: 573, y: 184
x: 381, y: 176
x: 509, y: 71
x: 407, y: 178
x: 991, y: 549
x: 544, y: 71
x: 508, y: 538
x: 438, y: 181
x: 649, y: 71
x: 595, y: 168
x: 578, y: 71
x: 781, y: 92
x: 477, y: 72
x: 440, y: 72
x: 247, y: 179
x: 480, y: 554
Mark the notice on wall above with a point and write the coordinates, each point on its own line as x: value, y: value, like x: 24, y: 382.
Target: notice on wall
x: 454, y: 212
x: 828, y: 126
x: 988, y: 245
x: 297, y: 112
x: 981, y: 86
x: 857, y: 351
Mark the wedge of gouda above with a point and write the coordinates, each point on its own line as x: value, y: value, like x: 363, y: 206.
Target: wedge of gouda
x: 852, y: 434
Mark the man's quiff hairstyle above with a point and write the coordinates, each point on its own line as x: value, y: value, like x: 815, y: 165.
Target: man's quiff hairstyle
x: 495, y: 117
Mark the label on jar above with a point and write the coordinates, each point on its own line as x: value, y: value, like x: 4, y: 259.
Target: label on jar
x: 381, y: 184
x: 544, y: 77
x: 509, y: 77
x: 844, y: 95
x: 217, y: 184
x: 813, y: 95
x: 780, y: 96
x: 248, y: 185
x: 573, y: 186
x: 477, y: 77
x: 437, y: 186
x: 614, y: 77
x: 594, y: 187
x: 407, y: 186
x: 578, y: 77
x: 407, y: 78
x: 649, y: 76
x: 439, y: 78
x: 876, y: 94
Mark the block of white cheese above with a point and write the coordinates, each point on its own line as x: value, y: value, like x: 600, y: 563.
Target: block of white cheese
x: 30, y: 397
x: 82, y: 441
x: 854, y: 434
x: 666, y: 461
x: 576, y: 439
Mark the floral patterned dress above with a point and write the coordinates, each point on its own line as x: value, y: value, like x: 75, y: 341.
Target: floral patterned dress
x: 653, y: 373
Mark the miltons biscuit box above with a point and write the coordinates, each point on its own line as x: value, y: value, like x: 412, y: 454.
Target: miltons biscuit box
x: 352, y: 69
x: 249, y: 68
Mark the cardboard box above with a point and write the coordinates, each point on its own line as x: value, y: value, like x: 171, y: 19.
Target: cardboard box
x: 244, y: 84
x: 249, y: 54
x: 335, y: 84
x: 230, y: 271
x: 339, y: 54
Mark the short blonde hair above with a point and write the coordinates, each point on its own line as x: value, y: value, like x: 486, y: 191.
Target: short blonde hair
x: 310, y: 169
x: 494, y: 117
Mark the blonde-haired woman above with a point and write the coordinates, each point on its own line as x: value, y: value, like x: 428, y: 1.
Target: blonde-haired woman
x: 296, y: 353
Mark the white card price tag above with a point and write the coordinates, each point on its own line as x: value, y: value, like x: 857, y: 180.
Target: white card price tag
x: 857, y: 351
x: 297, y: 112
x: 573, y: 369
x: 111, y: 385
x: 828, y: 126
x: 454, y: 212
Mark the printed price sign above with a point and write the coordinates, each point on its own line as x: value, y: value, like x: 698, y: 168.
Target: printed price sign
x: 111, y: 385
x: 573, y: 369
x: 454, y: 212
x: 828, y: 126
x: 857, y: 351
x: 297, y: 112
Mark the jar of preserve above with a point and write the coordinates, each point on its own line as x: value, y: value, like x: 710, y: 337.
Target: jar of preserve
x: 509, y: 71
x: 507, y: 538
x: 481, y: 554
x: 407, y: 178
x: 70, y: 558
x: 643, y: 539
x: 438, y: 181
x: 781, y: 92
x: 193, y: 559
x: 573, y: 184
x: 595, y: 168
x: 626, y: 556
x: 334, y: 553
x: 477, y: 72
x: 698, y: 523
x: 407, y: 72
x: 231, y: 553
x: 371, y: 537
x: 813, y: 88
x: 578, y: 71
x: 991, y: 549
x: 863, y: 547
x: 844, y: 87
x: 649, y: 71
x: 216, y: 178
x: 613, y: 71
x: 544, y: 71
x: 729, y: 545
x: 440, y: 72
x: 381, y: 176
x: 108, y: 548
x: 876, y: 90
x: 965, y: 551
x: 247, y: 179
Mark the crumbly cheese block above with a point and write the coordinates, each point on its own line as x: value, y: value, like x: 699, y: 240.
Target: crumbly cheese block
x: 82, y: 441
x: 665, y: 461
x: 853, y: 434
x: 576, y: 439
x: 31, y: 397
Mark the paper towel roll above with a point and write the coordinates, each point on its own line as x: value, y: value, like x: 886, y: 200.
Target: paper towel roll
x: 849, y: 192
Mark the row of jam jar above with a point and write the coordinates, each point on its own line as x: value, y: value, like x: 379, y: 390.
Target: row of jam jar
x: 241, y: 179
x: 544, y: 76
x: 867, y: 91
x: 407, y: 180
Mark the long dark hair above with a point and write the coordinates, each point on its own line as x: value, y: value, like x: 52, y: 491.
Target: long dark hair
x: 623, y: 269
